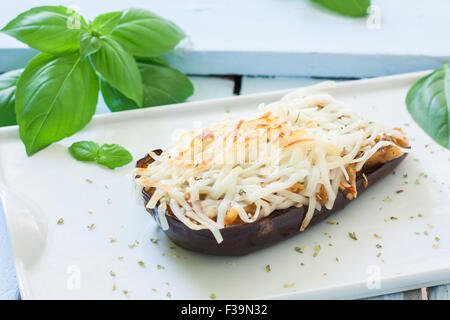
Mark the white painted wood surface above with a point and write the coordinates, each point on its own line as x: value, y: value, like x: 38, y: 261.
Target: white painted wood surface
x: 280, y: 37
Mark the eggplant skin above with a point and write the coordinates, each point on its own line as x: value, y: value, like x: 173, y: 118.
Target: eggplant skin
x: 242, y: 239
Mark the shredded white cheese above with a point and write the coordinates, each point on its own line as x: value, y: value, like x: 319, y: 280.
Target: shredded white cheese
x: 291, y: 153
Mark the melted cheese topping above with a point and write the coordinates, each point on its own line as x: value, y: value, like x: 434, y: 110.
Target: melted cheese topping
x: 298, y: 151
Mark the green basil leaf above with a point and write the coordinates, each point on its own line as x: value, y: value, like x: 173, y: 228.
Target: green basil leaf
x: 55, y: 97
x: 144, y: 34
x: 428, y: 102
x: 162, y: 85
x: 89, y: 44
x: 154, y: 60
x: 8, y: 82
x: 51, y: 29
x: 105, y: 23
x: 352, y: 8
x: 119, y: 68
x: 113, y: 156
x: 84, y: 150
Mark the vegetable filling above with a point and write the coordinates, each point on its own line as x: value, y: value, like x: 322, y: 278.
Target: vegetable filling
x: 299, y: 151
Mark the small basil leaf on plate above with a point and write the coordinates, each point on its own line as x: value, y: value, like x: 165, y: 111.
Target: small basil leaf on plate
x: 428, y: 103
x: 8, y: 82
x: 113, y: 156
x: 144, y: 34
x: 161, y: 84
x: 119, y: 69
x: 55, y: 97
x: 84, y: 150
x: 352, y: 8
x: 51, y: 29
x: 89, y: 44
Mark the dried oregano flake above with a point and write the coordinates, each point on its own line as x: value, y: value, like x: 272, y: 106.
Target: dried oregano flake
x: 316, y: 250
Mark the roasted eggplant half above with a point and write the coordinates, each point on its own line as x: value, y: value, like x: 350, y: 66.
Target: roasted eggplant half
x: 248, y: 237
x: 240, y: 185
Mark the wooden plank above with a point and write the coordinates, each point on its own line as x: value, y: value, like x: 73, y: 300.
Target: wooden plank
x: 211, y: 87
x: 284, y: 64
x: 439, y: 292
x: 281, y: 26
x: 331, y: 65
x: 424, y: 293
x: 272, y: 37
x: 413, y: 294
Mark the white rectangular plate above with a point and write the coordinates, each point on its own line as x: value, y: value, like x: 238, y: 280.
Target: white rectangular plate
x: 70, y: 261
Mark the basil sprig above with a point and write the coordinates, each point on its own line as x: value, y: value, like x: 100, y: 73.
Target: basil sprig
x: 48, y: 29
x: 108, y: 155
x: 428, y: 103
x: 351, y: 8
x: 56, y: 95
